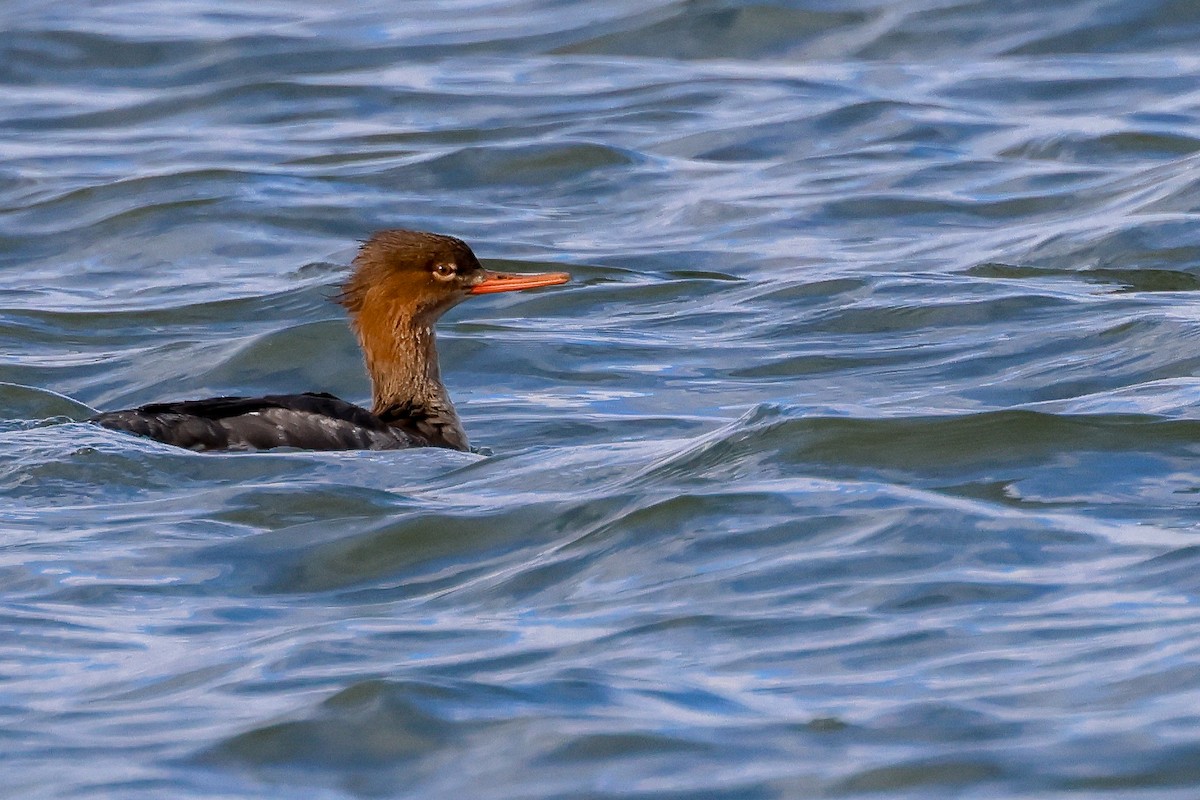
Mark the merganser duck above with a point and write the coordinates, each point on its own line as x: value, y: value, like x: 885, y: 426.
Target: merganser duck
x: 402, y: 281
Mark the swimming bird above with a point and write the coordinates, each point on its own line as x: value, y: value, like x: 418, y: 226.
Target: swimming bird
x: 401, y: 282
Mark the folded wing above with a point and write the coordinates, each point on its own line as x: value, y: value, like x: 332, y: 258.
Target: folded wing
x: 309, y: 421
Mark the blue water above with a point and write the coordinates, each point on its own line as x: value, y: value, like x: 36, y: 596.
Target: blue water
x: 861, y: 458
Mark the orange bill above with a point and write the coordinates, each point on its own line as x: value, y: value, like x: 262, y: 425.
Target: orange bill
x: 515, y: 281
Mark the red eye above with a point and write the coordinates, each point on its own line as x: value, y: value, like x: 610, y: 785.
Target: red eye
x: 444, y: 270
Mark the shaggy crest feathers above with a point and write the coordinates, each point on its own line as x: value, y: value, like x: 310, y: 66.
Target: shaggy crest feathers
x: 392, y: 253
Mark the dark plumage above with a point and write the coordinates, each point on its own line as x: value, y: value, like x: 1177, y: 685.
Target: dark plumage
x: 311, y: 421
x: 401, y: 283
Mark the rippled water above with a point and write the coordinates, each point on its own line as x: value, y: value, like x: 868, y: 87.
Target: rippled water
x: 859, y: 459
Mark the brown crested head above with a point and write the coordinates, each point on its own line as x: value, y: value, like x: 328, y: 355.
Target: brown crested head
x: 427, y: 273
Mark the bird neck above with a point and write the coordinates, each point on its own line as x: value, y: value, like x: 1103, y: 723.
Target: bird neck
x: 400, y: 351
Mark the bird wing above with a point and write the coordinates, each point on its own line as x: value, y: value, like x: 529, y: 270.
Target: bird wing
x: 310, y: 421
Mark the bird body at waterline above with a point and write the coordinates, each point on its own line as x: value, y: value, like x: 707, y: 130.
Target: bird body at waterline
x: 401, y: 283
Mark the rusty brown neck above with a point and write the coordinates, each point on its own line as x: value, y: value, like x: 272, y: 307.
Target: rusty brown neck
x: 400, y: 351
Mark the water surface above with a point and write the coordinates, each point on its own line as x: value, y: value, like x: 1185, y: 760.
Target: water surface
x: 858, y: 460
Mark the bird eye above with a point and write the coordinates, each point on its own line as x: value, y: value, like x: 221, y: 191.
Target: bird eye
x: 444, y: 271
